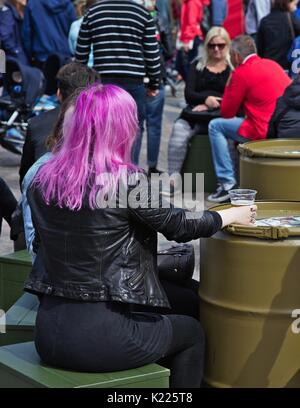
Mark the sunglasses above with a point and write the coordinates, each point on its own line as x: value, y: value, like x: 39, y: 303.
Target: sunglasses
x: 219, y: 46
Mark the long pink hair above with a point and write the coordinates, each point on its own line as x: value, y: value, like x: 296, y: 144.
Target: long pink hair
x: 98, y: 133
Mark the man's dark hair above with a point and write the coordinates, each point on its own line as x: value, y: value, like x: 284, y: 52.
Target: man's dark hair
x: 281, y: 4
x: 244, y: 45
x: 75, y: 75
x: 90, y: 3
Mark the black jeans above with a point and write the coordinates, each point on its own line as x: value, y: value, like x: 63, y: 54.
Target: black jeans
x: 185, y: 356
x: 183, y: 299
x: 106, y: 336
x: 8, y: 202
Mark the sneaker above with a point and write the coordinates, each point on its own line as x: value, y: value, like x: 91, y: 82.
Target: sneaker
x: 221, y: 195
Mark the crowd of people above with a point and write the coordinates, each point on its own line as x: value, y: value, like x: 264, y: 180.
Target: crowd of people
x: 94, y: 266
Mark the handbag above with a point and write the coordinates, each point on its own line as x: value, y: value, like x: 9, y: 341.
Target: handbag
x: 195, y: 117
x: 176, y: 264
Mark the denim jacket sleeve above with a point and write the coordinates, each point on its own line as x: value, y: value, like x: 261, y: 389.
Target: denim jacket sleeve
x: 28, y: 225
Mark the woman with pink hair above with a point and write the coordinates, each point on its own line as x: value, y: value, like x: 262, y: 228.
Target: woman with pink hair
x: 95, y: 261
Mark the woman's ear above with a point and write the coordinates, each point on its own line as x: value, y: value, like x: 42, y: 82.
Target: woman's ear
x: 59, y: 95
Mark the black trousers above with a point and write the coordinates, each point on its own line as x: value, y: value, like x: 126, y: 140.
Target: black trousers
x: 183, y: 299
x: 109, y: 336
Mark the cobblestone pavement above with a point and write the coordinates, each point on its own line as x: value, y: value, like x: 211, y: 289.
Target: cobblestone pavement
x: 9, y: 167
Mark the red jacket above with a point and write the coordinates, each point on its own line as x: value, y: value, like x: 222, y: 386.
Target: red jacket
x: 191, y: 18
x: 254, y: 87
x: 235, y: 20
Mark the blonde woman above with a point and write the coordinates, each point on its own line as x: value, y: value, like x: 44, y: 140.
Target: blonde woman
x: 204, y: 89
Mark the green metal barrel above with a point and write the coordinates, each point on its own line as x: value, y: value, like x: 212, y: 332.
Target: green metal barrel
x: 249, y: 293
x: 272, y: 167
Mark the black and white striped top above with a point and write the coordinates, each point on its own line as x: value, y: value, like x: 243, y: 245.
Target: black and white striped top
x: 123, y: 36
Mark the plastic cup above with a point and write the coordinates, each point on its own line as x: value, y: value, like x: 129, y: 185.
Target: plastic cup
x: 239, y: 197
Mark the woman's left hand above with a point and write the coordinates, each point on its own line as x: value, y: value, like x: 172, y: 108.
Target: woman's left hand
x: 213, y: 102
x: 200, y: 108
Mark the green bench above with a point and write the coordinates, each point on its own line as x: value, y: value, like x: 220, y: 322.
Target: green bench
x: 199, y: 160
x: 14, y: 269
x: 20, y: 320
x: 20, y: 367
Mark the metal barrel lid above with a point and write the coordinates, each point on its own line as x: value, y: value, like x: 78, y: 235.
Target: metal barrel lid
x: 266, y: 210
x: 273, y: 148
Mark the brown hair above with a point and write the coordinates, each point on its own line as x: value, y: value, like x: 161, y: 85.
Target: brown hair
x: 72, y: 79
x: 75, y: 75
x: 281, y: 4
x: 54, y: 139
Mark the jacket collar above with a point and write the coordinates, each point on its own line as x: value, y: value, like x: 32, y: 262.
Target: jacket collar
x: 248, y: 57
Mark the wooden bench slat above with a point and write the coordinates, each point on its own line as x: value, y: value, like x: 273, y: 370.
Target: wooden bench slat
x: 23, y: 310
x: 21, y: 363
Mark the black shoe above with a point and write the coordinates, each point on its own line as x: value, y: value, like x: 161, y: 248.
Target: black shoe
x: 221, y: 195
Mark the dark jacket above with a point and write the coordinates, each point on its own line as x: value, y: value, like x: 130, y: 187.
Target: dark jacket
x: 285, y: 121
x: 201, y: 84
x: 39, y: 128
x: 8, y: 203
x: 107, y: 254
x: 274, y: 37
x: 130, y: 32
x: 10, y: 33
x: 46, y: 27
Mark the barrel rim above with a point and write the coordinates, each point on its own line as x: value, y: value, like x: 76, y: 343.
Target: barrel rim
x: 259, y: 148
x: 262, y: 232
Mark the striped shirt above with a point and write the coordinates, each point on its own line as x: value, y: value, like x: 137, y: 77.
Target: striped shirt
x: 123, y: 35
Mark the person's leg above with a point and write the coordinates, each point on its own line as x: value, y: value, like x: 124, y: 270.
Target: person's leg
x: 181, y: 64
x: 139, y: 95
x: 154, y: 113
x: 220, y: 130
x: 185, y: 355
x: 178, y: 144
x: 8, y: 202
x: 184, y: 299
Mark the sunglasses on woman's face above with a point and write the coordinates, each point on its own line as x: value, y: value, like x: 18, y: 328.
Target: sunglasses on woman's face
x: 219, y: 46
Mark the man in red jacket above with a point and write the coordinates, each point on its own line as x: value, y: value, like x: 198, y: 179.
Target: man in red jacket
x: 254, y: 87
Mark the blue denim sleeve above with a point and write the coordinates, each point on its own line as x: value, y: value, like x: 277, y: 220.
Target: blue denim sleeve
x: 28, y: 225
x: 219, y: 12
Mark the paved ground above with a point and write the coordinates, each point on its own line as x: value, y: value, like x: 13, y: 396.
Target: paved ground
x: 9, y: 167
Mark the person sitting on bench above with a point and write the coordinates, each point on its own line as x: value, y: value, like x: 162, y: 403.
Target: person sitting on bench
x: 95, y: 260
x: 254, y: 87
x: 205, y: 86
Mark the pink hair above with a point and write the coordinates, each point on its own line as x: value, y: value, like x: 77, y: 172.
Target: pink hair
x: 98, y: 134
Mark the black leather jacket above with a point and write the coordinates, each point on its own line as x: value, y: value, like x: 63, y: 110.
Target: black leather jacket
x: 107, y: 254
